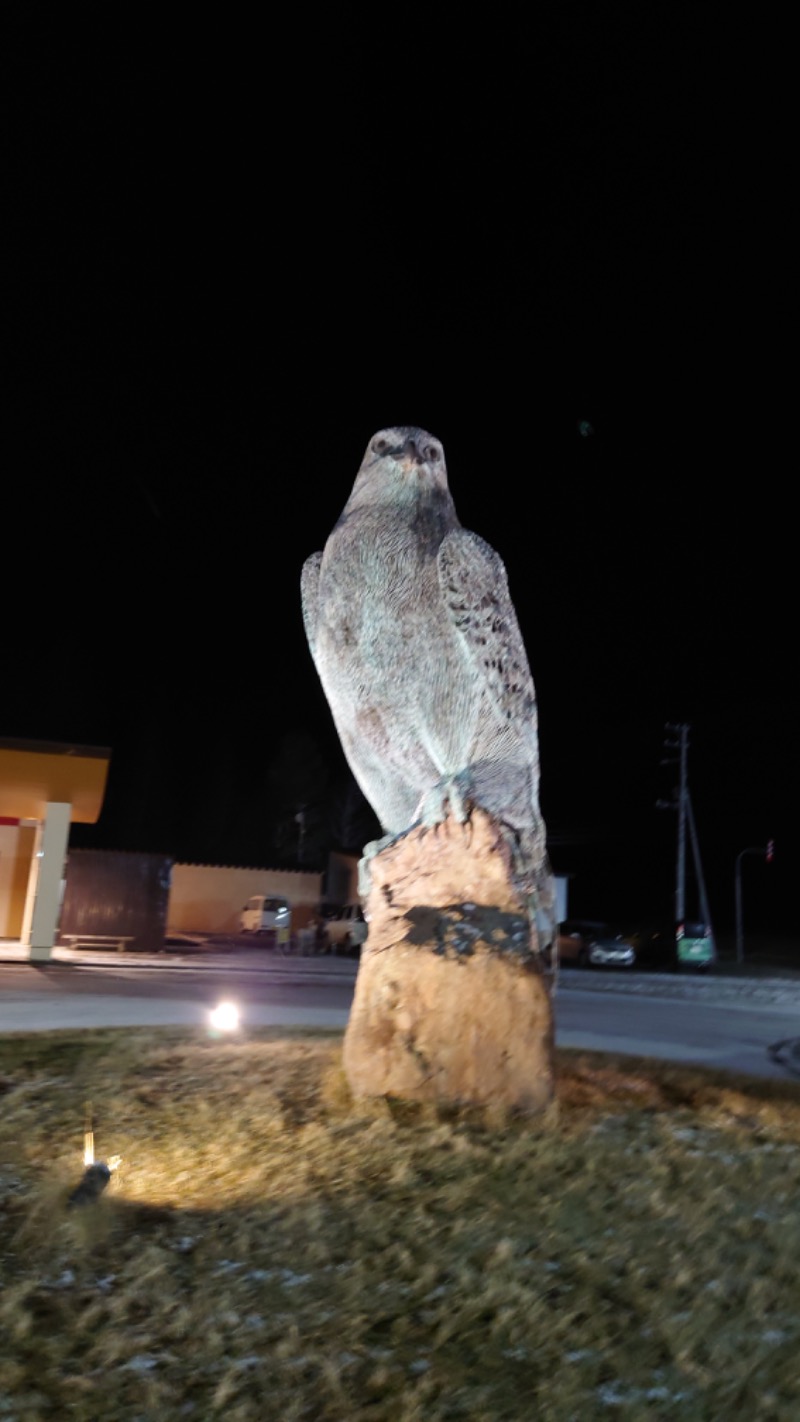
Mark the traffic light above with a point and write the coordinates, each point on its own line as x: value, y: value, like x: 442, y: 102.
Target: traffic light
x: 770, y: 854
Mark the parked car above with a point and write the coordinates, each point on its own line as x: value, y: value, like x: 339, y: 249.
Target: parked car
x: 670, y: 948
x: 268, y: 914
x: 695, y: 945
x: 591, y: 943
x: 345, y: 928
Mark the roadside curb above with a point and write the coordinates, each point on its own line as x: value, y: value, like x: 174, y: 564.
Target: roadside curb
x: 331, y: 969
x: 758, y: 991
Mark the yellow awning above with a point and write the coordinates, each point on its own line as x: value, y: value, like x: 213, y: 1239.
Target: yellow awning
x: 35, y: 773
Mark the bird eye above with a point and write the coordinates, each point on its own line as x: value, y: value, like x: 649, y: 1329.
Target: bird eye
x: 431, y: 453
x: 380, y: 446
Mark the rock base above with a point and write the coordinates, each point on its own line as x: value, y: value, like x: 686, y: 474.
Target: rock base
x: 451, y: 1001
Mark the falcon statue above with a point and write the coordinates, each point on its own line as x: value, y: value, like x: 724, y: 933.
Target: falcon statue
x: 416, y: 643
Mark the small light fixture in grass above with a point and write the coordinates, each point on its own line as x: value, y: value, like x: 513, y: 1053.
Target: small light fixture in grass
x: 224, y: 1019
x: 96, y: 1175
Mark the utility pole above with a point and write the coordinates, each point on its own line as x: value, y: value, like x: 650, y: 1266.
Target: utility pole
x: 682, y: 746
x: 705, y: 911
x: 682, y: 802
x: 300, y: 821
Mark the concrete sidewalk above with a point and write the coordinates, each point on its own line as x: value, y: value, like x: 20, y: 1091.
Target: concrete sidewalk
x: 193, y: 955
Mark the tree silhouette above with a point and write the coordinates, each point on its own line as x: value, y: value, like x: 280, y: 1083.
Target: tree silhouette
x: 298, y: 780
x: 352, y: 820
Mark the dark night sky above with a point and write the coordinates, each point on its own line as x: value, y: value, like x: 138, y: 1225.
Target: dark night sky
x: 238, y: 255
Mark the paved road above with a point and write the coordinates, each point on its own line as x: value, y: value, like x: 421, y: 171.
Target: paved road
x: 732, y: 1035
x: 104, y: 992
x: 712, y: 1022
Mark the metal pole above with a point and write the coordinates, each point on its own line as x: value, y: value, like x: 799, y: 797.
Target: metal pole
x: 754, y: 849
x: 739, y: 933
x: 680, y: 873
x: 698, y: 869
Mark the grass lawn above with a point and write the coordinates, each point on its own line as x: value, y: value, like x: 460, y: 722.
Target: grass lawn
x: 269, y: 1249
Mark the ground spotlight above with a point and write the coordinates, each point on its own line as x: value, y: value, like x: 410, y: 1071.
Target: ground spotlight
x: 97, y: 1174
x: 224, y: 1017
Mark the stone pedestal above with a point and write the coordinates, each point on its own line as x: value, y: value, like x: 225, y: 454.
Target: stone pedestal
x: 451, y: 1002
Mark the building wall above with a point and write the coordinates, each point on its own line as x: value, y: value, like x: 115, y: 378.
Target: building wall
x: 110, y: 891
x: 207, y: 899
x: 16, y: 852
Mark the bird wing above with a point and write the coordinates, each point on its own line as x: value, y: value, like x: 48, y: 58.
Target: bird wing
x: 474, y: 586
x: 309, y: 594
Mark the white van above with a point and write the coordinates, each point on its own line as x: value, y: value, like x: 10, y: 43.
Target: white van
x: 267, y: 913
